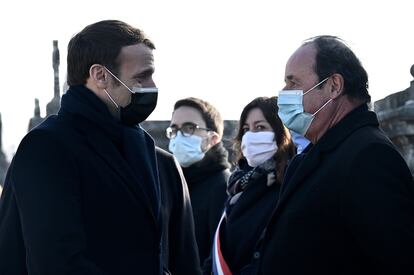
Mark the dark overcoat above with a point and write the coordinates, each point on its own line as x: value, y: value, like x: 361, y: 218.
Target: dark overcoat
x: 347, y: 209
x: 72, y: 204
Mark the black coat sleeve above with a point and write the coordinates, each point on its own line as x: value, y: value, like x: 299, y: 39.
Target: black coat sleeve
x: 12, y: 250
x: 179, y: 243
x: 46, y: 187
x: 378, y: 206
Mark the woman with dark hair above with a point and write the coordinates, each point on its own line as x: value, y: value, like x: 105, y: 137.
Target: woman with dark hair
x: 263, y: 146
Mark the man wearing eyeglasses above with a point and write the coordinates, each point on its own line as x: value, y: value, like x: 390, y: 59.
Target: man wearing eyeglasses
x: 195, y: 134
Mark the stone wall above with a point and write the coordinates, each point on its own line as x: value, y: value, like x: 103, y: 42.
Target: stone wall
x: 4, y: 164
x: 396, y: 115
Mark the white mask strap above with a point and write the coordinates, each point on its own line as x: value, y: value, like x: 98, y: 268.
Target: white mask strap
x: 110, y: 97
x: 118, y: 79
x: 135, y: 89
x: 316, y: 86
x: 314, y: 114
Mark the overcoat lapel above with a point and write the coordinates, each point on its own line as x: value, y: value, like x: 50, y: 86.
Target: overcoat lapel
x: 358, y: 118
x: 304, y: 170
x: 112, y: 157
x: 89, y: 115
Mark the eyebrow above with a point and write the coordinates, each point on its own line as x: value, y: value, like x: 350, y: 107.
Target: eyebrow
x: 290, y: 78
x: 255, y: 122
x: 184, y: 123
x: 145, y: 72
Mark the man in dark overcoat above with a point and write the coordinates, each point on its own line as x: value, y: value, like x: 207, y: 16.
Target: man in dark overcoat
x: 347, y: 202
x: 87, y: 191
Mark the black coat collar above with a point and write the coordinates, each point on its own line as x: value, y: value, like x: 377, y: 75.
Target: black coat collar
x: 105, y: 135
x: 359, y: 117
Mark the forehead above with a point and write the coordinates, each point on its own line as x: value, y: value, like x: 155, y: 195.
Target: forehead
x: 185, y: 114
x: 254, y: 115
x: 136, y: 58
x: 300, y: 65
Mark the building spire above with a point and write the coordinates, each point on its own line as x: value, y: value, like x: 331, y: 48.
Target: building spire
x: 54, y: 105
x: 56, y: 63
x: 36, y: 119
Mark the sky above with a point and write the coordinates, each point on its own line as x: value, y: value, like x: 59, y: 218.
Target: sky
x: 224, y: 51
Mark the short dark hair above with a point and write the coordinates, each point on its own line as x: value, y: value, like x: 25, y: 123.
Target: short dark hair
x: 208, y: 112
x: 100, y: 43
x: 334, y: 56
x: 286, y: 148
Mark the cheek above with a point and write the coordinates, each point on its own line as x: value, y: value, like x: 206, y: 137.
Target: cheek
x: 205, y: 144
x: 311, y: 104
x: 122, y: 95
x: 125, y: 99
x: 316, y: 101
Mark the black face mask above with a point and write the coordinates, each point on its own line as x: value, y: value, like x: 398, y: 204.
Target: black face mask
x: 141, y: 106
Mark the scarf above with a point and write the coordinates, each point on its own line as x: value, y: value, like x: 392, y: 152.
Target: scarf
x: 240, y: 179
x: 244, y: 175
x: 134, y: 144
x: 215, y: 160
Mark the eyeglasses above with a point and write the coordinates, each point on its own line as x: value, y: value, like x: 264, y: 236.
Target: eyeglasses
x: 187, y: 130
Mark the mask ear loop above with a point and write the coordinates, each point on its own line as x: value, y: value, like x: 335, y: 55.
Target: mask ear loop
x: 118, y: 80
x: 316, y: 86
x: 326, y: 103
x: 110, y: 97
x: 314, y: 114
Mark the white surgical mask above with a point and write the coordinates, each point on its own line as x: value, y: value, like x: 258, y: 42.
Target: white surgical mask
x: 290, y: 103
x: 187, y: 150
x: 257, y: 147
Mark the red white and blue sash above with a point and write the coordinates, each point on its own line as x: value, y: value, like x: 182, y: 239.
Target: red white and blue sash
x: 220, y: 267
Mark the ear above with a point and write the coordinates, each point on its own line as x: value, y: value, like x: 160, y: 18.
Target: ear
x: 99, y: 76
x: 337, y: 88
x: 214, y: 138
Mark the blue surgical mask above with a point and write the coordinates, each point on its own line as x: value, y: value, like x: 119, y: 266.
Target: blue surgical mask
x: 187, y: 150
x: 290, y: 103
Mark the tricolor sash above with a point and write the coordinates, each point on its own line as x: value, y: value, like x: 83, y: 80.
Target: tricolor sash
x: 220, y: 266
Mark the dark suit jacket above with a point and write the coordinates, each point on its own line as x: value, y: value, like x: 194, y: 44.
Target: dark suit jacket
x: 180, y: 252
x: 347, y: 209
x: 71, y: 205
